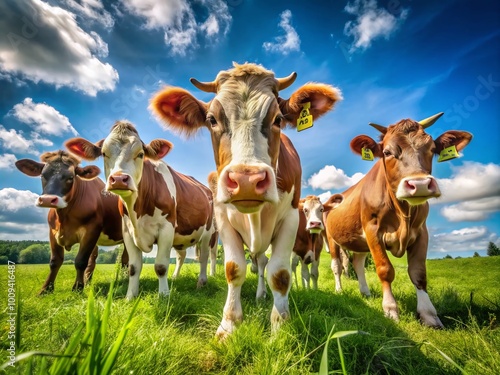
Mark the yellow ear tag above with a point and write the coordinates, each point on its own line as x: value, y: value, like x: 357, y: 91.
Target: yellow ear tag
x: 366, y: 154
x: 448, y: 153
x: 305, y: 119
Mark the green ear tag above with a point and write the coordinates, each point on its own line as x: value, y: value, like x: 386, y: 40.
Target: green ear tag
x: 305, y: 119
x: 366, y: 154
x: 448, y: 153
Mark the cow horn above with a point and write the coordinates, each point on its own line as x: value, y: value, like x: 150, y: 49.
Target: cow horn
x: 285, y: 82
x: 430, y: 120
x: 380, y: 128
x: 204, y: 86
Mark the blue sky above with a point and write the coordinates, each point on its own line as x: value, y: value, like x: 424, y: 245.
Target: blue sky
x: 74, y: 67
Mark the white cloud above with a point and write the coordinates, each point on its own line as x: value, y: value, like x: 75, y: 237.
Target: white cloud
x: 7, y: 161
x: 462, y: 240
x: 475, y: 210
x: 92, y: 10
x: 371, y: 23
x: 49, y: 46
x: 42, y: 118
x: 13, y: 141
x: 287, y: 43
x: 324, y: 196
x: 13, y: 200
x: 178, y: 21
x: 329, y: 177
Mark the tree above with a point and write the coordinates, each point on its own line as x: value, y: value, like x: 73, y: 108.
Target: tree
x: 476, y: 255
x: 448, y: 256
x: 35, y: 254
x: 493, y: 249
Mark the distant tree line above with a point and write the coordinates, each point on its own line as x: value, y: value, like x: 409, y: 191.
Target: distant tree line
x: 492, y: 250
x: 38, y: 252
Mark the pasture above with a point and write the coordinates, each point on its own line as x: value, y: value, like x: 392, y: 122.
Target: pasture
x: 175, y: 335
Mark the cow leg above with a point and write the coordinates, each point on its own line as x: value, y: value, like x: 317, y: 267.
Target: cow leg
x: 315, y: 273
x: 279, y: 270
x: 358, y: 263
x: 235, y: 266
x: 261, y: 283
x: 213, y: 253
x: 304, y: 272
x: 385, y: 273
x: 162, y: 261
x: 204, y: 252
x: 345, y: 261
x: 89, y: 271
x: 56, y: 260
x: 417, y: 254
x: 336, y: 265
x: 124, y: 260
x: 87, y: 246
x: 180, y: 257
x: 295, y: 262
x: 134, y: 266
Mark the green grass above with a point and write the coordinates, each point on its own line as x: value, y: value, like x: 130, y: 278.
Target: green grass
x: 176, y: 335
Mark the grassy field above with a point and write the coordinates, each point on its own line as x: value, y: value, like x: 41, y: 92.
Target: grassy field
x: 175, y: 335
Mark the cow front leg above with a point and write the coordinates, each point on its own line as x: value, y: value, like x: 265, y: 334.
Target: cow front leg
x: 315, y: 273
x: 417, y: 254
x: 261, y: 283
x: 305, y: 274
x: 162, y: 260
x: 89, y: 271
x: 213, y: 252
x: 358, y: 263
x: 336, y: 264
x: 235, y: 269
x: 295, y: 263
x: 82, y: 259
x: 180, y: 257
x: 56, y: 260
x: 134, y: 266
x: 279, y: 269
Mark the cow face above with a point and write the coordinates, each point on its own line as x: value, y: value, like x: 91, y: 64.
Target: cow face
x: 245, y: 119
x: 123, y: 153
x: 58, y: 171
x: 407, y: 152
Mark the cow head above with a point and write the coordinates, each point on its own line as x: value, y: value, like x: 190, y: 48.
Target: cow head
x: 407, y: 152
x: 58, y: 170
x: 245, y: 119
x: 313, y: 210
x: 123, y: 153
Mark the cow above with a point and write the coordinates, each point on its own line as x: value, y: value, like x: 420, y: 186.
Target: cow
x: 386, y: 210
x: 158, y: 205
x: 258, y: 172
x: 310, y: 234
x: 79, y: 212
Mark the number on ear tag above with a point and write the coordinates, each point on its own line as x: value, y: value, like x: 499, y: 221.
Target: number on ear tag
x: 448, y: 153
x: 305, y: 120
x: 366, y: 154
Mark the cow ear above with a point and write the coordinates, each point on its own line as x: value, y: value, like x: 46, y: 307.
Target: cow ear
x: 30, y: 167
x: 364, y: 141
x: 179, y: 110
x: 301, y: 203
x: 322, y: 98
x: 88, y: 173
x: 333, y: 202
x: 158, y: 148
x: 456, y: 138
x: 83, y: 148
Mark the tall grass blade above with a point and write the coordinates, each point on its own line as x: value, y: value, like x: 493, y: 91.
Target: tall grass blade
x: 448, y: 358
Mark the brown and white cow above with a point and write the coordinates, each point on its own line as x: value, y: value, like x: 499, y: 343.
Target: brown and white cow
x: 309, y: 239
x: 79, y: 212
x: 158, y: 204
x: 387, y: 209
x: 258, y: 171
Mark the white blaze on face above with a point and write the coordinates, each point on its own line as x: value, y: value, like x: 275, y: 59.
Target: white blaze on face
x: 313, y: 210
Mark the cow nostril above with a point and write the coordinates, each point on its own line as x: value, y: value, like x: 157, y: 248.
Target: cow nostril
x: 111, y: 180
x: 409, y: 185
x: 264, y: 183
x: 231, y: 182
x: 125, y: 179
x: 54, y: 200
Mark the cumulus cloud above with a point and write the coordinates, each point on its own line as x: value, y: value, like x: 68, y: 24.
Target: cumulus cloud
x: 44, y: 43
x: 462, y: 240
x: 91, y: 10
x: 476, y: 188
x: 16, y: 142
x: 42, y: 118
x: 285, y: 43
x: 371, y: 23
x: 13, y: 200
x: 7, y: 162
x: 178, y: 21
x: 329, y: 177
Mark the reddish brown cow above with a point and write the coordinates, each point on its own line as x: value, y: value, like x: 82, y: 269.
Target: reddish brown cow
x: 309, y: 239
x: 80, y: 212
x: 387, y: 209
x: 258, y: 171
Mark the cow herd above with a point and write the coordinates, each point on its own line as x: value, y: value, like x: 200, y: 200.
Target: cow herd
x: 254, y: 197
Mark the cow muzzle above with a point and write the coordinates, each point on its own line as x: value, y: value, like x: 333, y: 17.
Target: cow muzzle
x: 315, y: 226
x: 51, y: 201
x: 417, y: 190
x: 247, y: 189
x: 120, y: 184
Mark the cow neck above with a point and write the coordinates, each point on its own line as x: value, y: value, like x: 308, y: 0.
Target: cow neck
x: 403, y: 218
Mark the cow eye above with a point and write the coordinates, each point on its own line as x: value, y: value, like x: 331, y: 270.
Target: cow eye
x: 321, y: 209
x: 306, y: 210
x: 211, y: 119
x: 278, y: 120
x: 387, y: 152
x: 140, y: 155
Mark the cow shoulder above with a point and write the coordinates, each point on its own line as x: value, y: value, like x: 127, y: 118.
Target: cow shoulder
x: 289, y: 171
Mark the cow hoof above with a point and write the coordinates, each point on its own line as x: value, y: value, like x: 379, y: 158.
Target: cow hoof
x: 431, y: 321
x: 226, y: 328
x: 77, y: 287
x: 392, y: 314
x: 201, y: 283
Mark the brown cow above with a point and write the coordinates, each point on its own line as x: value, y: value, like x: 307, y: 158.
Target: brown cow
x: 158, y: 204
x: 387, y: 209
x: 258, y: 171
x: 79, y: 212
x: 309, y: 239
